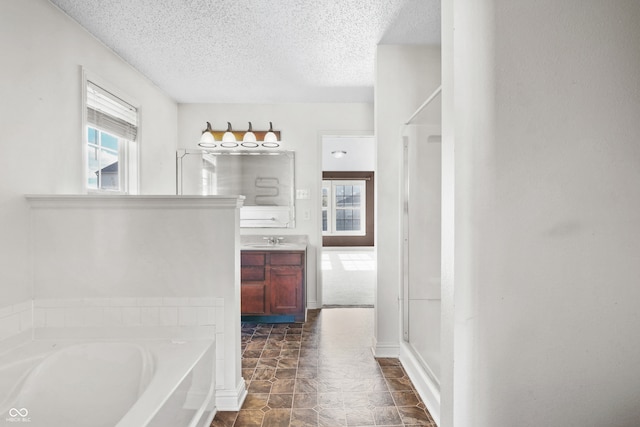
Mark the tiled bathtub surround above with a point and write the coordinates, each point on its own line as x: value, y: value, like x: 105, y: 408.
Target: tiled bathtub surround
x: 158, y: 311
x: 322, y: 373
x: 15, y: 319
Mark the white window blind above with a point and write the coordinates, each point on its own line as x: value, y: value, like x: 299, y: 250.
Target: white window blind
x: 110, y: 113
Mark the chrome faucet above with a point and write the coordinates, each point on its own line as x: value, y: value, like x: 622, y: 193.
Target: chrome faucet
x: 272, y: 240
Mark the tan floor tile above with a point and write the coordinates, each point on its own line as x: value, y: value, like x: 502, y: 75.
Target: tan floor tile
x: 307, y: 362
x: 329, y: 385
x: 255, y: 401
x: 277, y: 418
x: 285, y: 374
x: 249, y: 363
x: 330, y: 400
x: 259, y: 387
x: 288, y: 363
x: 331, y: 417
x: 280, y: 401
x: 387, y: 416
x: 399, y: 384
x: 267, y: 363
x: 380, y: 399
x: 304, y: 418
x: 415, y: 416
x: 305, y: 400
x: 290, y: 352
x: 247, y: 374
x: 308, y: 373
x: 359, y: 417
x: 405, y: 398
x: 249, y: 418
x: 264, y: 374
x: 317, y: 375
x: 304, y: 385
x: 283, y: 386
x: 356, y: 399
x: 388, y: 361
x: 291, y: 345
x: 392, y: 372
x: 271, y: 353
x: 224, y: 419
x: 252, y: 354
x: 254, y: 346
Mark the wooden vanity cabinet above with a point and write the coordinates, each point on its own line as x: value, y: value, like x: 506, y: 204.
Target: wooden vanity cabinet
x: 273, y: 283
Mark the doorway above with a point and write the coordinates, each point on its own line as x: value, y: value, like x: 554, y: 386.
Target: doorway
x: 348, y: 259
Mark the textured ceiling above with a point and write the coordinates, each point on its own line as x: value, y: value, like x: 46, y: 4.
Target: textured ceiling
x: 256, y: 51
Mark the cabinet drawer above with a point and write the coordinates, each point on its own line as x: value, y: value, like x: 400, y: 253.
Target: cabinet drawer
x: 252, y: 274
x: 288, y: 258
x: 252, y: 258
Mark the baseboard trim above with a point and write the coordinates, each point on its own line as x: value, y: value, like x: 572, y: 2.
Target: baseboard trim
x: 380, y: 349
x: 313, y: 305
x: 347, y: 306
x: 427, y: 387
x: 231, y: 399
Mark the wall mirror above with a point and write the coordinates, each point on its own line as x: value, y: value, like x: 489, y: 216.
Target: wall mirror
x: 265, y: 178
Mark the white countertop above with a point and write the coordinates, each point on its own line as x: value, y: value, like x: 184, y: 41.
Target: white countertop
x: 286, y: 243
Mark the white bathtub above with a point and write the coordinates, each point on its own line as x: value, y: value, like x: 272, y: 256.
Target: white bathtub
x: 123, y: 384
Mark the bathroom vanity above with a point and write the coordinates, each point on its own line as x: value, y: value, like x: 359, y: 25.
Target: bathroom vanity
x: 273, y: 280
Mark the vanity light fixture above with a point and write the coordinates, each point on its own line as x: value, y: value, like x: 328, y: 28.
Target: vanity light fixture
x: 249, y: 138
x: 338, y: 154
x: 207, y: 139
x: 229, y: 139
x: 270, y: 138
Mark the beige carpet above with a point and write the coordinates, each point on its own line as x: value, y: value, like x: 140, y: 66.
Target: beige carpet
x: 348, y: 277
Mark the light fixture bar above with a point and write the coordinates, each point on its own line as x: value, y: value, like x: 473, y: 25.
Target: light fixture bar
x: 239, y: 134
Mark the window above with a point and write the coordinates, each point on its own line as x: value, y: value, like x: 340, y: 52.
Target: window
x: 343, y: 207
x: 111, y: 149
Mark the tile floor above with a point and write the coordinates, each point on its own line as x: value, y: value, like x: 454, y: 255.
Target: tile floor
x: 322, y: 373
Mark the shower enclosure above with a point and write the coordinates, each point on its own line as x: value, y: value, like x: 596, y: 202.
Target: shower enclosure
x: 421, y: 250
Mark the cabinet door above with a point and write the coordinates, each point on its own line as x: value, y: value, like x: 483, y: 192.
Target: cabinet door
x: 253, y: 298
x: 286, y: 287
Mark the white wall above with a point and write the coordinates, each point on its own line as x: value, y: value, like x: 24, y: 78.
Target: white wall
x: 361, y: 153
x: 40, y: 117
x: 302, y: 126
x: 405, y: 77
x: 541, y: 287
